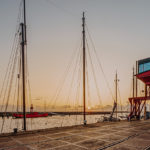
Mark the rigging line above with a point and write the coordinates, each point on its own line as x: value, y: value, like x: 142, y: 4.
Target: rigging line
x: 8, y: 75
x: 19, y: 75
x: 10, y: 66
x: 20, y: 15
x: 14, y: 100
x: 73, y: 78
x: 120, y: 97
x: 9, y: 90
x: 55, y: 97
x: 27, y: 78
x: 12, y: 75
x: 79, y: 57
x: 131, y: 89
x: 7, y: 71
x: 63, y: 9
x: 18, y: 94
x: 17, y: 31
x: 78, y: 85
x: 97, y: 88
x: 88, y: 87
x: 63, y: 79
x: 11, y: 78
x: 99, y: 63
x: 64, y: 75
x: 87, y: 79
x: 61, y: 87
x: 71, y: 62
x: 28, y: 87
x: 77, y: 60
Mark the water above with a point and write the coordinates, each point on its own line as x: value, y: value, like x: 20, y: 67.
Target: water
x: 46, y: 122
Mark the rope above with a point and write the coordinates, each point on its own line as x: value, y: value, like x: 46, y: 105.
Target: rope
x: 11, y: 73
x: 78, y: 86
x: 99, y: 63
x: 120, y: 97
x: 59, y: 88
x: 63, y: 9
x: 72, y: 80
x: 15, y: 93
x: 88, y: 87
x: 94, y: 75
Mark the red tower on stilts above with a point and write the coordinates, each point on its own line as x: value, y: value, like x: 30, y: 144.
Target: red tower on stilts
x: 138, y: 104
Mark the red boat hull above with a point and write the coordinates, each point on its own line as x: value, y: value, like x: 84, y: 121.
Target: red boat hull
x: 31, y: 115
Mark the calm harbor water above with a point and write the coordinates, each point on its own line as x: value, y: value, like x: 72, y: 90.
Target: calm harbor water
x: 49, y: 122
x: 46, y: 122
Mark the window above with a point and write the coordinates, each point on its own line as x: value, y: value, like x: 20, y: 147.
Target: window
x: 141, y: 68
x: 144, y: 67
x: 147, y: 66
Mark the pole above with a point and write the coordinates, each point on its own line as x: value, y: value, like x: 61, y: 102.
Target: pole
x: 84, y: 102
x: 132, y: 91
x: 145, y: 102
x: 23, y: 75
x: 133, y: 82
x: 136, y: 90
x: 116, y: 95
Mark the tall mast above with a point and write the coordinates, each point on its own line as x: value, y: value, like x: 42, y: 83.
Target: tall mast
x: 23, y: 43
x: 84, y: 98
x: 24, y: 16
x: 116, y: 84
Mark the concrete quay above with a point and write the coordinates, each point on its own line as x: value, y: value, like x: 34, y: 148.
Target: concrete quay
x: 121, y: 135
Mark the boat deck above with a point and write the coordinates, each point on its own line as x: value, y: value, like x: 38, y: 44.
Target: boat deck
x: 122, y: 135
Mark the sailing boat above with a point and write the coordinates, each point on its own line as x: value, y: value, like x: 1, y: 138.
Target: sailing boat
x: 111, y: 118
x: 23, y: 45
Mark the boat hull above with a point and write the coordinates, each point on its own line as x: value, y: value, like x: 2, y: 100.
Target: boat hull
x: 31, y: 115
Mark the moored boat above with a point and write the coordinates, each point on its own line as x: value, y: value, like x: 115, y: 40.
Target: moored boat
x: 30, y: 115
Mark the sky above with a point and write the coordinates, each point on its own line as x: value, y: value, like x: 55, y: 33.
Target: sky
x: 120, y: 30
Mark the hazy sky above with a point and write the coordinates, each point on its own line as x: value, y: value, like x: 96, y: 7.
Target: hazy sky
x: 120, y: 30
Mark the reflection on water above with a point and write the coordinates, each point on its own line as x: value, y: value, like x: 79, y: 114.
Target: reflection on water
x: 48, y: 122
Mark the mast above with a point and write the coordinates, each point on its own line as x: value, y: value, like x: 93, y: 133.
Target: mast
x: 116, y: 84
x: 24, y: 13
x: 23, y: 43
x: 84, y: 98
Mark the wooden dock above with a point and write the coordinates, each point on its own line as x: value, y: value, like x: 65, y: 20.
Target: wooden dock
x: 122, y: 135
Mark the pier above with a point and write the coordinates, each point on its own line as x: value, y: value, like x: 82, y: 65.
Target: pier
x: 122, y: 135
